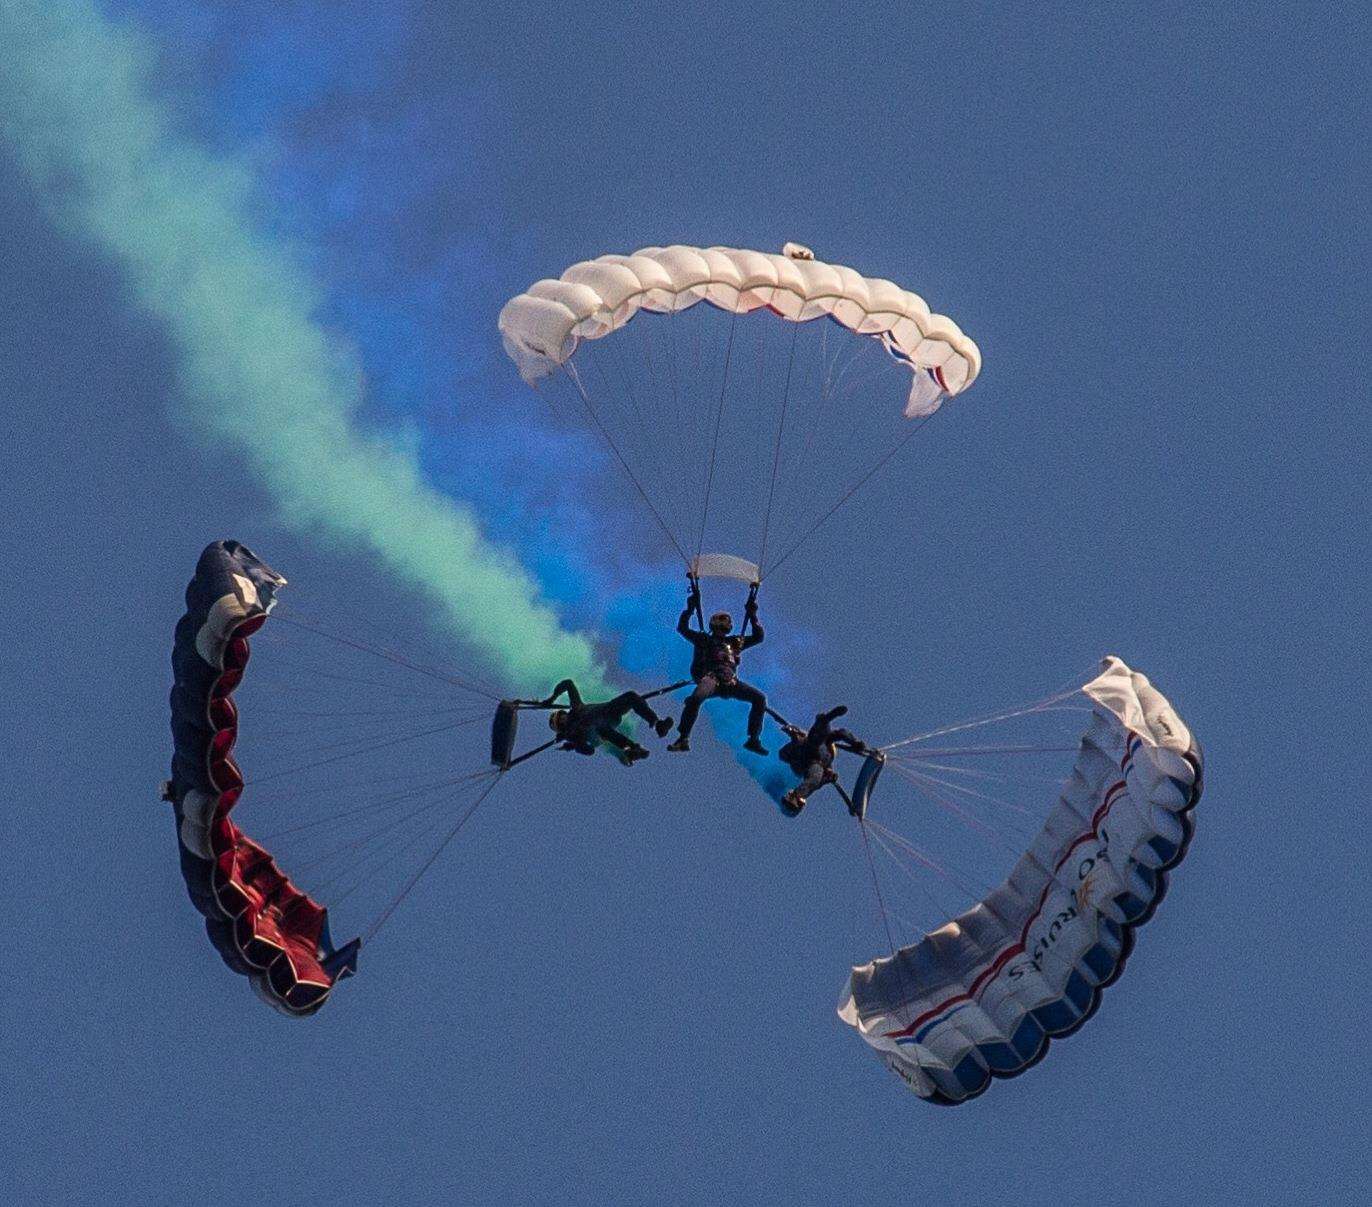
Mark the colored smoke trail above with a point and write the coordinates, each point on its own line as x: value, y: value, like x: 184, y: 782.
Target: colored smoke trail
x: 260, y: 373
x: 198, y: 236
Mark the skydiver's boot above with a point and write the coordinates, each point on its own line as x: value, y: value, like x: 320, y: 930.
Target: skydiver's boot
x: 635, y: 752
x: 682, y: 744
x: 793, y: 803
x: 755, y: 745
x: 663, y: 726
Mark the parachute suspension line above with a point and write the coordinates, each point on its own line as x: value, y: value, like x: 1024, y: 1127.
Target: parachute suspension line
x: 985, y: 797
x: 682, y: 499
x: 645, y: 433
x: 374, y: 838
x: 885, y: 917
x: 928, y: 901
x: 950, y: 874
x: 352, y: 739
x: 627, y: 385
x: 904, y: 854
x: 390, y: 656
x: 925, y: 786
x: 677, y: 419
x: 571, y: 372
x: 366, y: 869
x: 371, y: 714
x: 849, y: 493
x: 428, y: 863
x: 976, y: 774
x: 821, y: 379
x: 776, y: 449
x: 369, y: 749
x: 276, y: 675
x: 984, y: 898
x: 398, y: 851
x: 1047, y: 704
x: 944, y: 752
x: 840, y: 447
x: 924, y: 760
x: 381, y: 803
x: 714, y: 442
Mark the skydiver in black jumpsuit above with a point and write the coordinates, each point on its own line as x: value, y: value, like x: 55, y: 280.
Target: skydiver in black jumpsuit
x: 714, y: 667
x: 582, y: 727
x: 811, y: 753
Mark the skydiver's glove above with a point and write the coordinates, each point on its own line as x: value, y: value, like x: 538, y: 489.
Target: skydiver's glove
x: 750, y: 609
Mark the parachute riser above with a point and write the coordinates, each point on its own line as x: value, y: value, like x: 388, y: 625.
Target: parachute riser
x: 527, y: 755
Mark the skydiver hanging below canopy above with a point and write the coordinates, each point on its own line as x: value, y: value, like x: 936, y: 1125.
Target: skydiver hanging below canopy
x: 714, y: 667
x: 811, y: 753
x: 582, y: 727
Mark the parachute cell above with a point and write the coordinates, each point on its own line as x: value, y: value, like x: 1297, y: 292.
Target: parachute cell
x: 262, y: 925
x: 981, y: 996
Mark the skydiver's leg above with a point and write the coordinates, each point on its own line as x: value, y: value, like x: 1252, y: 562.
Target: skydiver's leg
x: 705, y: 688
x: 816, y: 776
x: 635, y: 703
x: 607, y: 732
x: 757, y: 705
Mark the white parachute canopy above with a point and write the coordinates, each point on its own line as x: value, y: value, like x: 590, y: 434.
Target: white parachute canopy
x: 737, y: 420
x: 543, y: 327
x: 981, y: 996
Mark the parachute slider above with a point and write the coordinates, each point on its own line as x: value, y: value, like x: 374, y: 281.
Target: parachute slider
x: 866, y: 781
x: 504, y: 729
x: 725, y: 565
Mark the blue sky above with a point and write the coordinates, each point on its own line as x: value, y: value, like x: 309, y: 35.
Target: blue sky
x: 620, y: 987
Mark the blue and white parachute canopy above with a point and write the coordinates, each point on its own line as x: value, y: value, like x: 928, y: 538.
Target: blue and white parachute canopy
x: 981, y: 996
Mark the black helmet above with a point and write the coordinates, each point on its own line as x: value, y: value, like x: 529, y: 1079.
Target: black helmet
x: 721, y: 623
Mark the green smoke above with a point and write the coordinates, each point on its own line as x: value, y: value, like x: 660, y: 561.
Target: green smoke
x: 258, y: 371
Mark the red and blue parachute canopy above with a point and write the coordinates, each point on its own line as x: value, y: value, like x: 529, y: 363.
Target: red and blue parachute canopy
x: 260, y: 923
